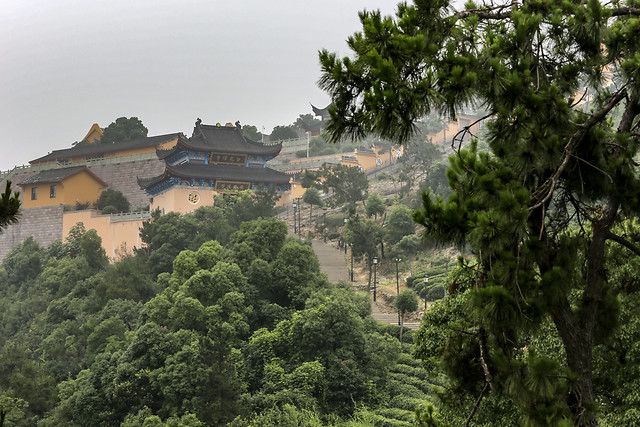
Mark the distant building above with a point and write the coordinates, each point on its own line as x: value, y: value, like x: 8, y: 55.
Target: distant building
x: 66, y: 186
x: 129, y: 148
x: 94, y: 134
x: 216, y: 159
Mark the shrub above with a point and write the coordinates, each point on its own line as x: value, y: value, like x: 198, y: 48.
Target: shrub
x: 107, y: 210
x: 110, y: 197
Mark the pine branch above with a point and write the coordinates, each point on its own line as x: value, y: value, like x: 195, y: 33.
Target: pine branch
x: 485, y: 368
x: 550, y: 184
x: 477, y: 405
x: 501, y: 12
x: 625, y: 11
x: 466, y: 129
x: 627, y: 244
x: 496, y: 12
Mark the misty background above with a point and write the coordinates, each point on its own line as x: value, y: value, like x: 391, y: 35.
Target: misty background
x: 67, y: 64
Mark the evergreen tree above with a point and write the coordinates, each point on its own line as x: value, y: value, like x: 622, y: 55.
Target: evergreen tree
x: 9, y: 206
x: 540, y: 209
x: 123, y: 129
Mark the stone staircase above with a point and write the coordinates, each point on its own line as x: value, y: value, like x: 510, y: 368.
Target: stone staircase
x: 333, y: 263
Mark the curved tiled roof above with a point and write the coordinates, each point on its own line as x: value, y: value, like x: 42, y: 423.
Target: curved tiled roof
x: 322, y: 112
x: 57, y: 175
x: 96, y: 148
x: 222, y: 139
x: 225, y: 172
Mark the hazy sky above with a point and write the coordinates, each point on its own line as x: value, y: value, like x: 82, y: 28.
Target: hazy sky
x: 66, y: 64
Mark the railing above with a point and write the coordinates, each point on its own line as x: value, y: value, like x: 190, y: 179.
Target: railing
x: 130, y: 216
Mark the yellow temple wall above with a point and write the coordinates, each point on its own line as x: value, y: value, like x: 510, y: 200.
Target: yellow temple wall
x: 80, y: 187
x: 177, y: 200
x: 43, y: 199
x: 118, y: 237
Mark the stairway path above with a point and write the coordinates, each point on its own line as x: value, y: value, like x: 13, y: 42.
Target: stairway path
x: 334, y: 264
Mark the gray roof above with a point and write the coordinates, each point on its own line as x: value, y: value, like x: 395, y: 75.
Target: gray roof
x: 57, y: 175
x: 97, y: 148
x: 222, y: 139
x: 216, y: 172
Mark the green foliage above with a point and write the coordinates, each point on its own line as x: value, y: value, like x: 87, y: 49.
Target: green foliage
x: 123, y: 129
x: 363, y: 236
x: 112, y: 198
x: 347, y: 360
x: 349, y: 184
x: 251, y: 132
x: 312, y: 197
x: 166, y: 235
x: 9, y: 206
x: 409, y: 244
x: 538, y: 208
x: 305, y: 121
x: 375, y: 205
x: 283, y: 132
x: 399, y: 224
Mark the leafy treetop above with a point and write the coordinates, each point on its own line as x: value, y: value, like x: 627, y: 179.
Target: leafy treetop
x: 123, y: 129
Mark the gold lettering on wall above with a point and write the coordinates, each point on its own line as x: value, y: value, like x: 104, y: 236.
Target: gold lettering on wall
x: 232, y: 186
x: 228, y: 159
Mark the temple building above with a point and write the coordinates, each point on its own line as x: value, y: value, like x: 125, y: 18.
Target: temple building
x: 216, y: 159
x: 66, y: 186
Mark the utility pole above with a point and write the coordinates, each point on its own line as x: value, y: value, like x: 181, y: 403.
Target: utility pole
x: 398, y: 285
x: 295, y: 229
x: 351, y: 246
x: 375, y: 288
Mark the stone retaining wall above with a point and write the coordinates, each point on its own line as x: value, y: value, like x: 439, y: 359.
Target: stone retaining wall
x: 43, y: 223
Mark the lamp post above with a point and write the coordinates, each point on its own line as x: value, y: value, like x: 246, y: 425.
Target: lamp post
x: 295, y: 229
x: 324, y: 227
x: 345, y: 243
x: 398, y: 285
x: 351, y: 246
x: 299, y: 222
x: 375, y: 277
x: 426, y: 284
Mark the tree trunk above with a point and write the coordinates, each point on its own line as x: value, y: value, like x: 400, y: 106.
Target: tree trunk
x: 401, y: 325
x: 576, y: 330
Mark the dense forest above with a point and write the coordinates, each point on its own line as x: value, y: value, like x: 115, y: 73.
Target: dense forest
x: 223, y: 318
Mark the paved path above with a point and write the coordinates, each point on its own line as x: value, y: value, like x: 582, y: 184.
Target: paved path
x: 333, y: 263
x: 331, y: 260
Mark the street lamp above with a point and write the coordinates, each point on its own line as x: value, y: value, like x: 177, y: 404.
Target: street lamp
x: 426, y: 285
x: 295, y: 206
x: 299, y: 221
x: 398, y: 285
x: 351, y: 246
x: 375, y: 277
x: 324, y: 227
x: 345, y: 243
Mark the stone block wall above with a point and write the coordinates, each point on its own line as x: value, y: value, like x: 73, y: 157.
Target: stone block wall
x: 123, y: 177
x: 44, y: 224
x: 119, y: 176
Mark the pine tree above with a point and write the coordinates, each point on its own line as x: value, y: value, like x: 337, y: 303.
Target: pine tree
x: 560, y: 84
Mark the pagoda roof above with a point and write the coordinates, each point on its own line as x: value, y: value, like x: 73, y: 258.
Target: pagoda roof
x: 322, y: 112
x: 224, y: 172
x: 97, y: 148
x: 58, y: 175
x: 221, y: 139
